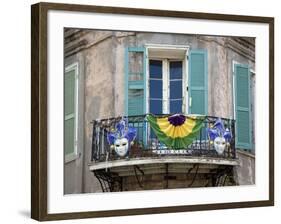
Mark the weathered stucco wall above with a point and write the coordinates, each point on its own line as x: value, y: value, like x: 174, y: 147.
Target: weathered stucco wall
x: 102, y: 68
x: 105, y: 70
x: 245, y: 172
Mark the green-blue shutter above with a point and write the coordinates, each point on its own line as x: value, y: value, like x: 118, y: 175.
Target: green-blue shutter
x: 198, y: 82
x: 69, y: 112
x: 243, y: 127
x: 135, y: 90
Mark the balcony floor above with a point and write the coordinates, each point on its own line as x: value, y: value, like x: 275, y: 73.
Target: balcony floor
x: 164, y: 160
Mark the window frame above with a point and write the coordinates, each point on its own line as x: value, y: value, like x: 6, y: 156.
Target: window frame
x: 167, y: 53
x: 73, y: 155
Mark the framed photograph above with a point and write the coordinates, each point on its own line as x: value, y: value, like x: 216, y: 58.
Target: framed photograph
x: 139, y: 111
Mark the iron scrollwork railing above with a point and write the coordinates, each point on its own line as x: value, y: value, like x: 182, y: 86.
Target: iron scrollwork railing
x: 147, y: 144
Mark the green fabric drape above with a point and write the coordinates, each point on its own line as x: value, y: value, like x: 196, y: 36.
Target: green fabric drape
x: 176, y: 131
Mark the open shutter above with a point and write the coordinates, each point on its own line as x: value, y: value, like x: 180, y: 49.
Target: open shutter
x: 135, y: 88
x: 242, y: 107
x: 198, y: 82
x: 135, y: 66
x: 69, y: 113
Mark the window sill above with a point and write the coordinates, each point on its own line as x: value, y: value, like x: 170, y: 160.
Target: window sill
x: 70, y: 157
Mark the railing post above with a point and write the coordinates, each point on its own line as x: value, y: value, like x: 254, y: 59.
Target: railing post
x: 233, y: 138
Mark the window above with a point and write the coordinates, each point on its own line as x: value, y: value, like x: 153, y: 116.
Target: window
x: 70, y: 112
x: 167, y: 79
x: 176, y: 87
x: 164, y: 79
x: 166, y: 86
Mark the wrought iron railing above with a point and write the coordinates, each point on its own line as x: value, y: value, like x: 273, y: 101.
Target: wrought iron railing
x: 146, y: 144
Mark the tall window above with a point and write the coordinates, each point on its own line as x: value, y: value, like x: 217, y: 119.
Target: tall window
x: 166, y: 86
x: 70, y: 112
x: 155, y: 87
x: 176, y: 87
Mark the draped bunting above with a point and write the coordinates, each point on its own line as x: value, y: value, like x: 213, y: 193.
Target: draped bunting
x: 176, y: 131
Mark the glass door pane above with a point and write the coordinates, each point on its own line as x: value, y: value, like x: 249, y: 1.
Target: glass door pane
x: 155, y: 87
x: 155, y: 95
x: 176, y: 92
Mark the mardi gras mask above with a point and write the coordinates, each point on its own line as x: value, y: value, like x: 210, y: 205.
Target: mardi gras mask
x: 219, y: 135
x: 219, y: 144
x: 121, y: 146
x: 121, y: 137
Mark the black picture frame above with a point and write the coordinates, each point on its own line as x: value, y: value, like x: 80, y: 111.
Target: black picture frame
x: 39, y: 108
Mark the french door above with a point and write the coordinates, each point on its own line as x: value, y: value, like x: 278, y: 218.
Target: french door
x: 166, y: 86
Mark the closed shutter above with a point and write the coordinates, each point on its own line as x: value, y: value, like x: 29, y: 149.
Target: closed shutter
x: 69, y: 114
x: 135, y: 67
x: 242, y: 107
x: 198, y: 82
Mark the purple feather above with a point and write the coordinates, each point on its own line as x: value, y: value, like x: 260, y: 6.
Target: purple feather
x: 227, y: 135
x: 111, y: 137
x: 122, y: 131
x: 220, y: 126
x: 213, y: 133
x: 131, y: 134
x: 120, y: 127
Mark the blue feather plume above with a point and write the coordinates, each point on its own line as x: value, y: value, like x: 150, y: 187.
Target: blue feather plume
x: 213, y: 133
x: 131, y: 134
x: 227, y: 135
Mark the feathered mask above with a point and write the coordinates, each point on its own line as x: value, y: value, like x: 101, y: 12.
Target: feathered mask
x: 218, y: 130
x: 122, y: 130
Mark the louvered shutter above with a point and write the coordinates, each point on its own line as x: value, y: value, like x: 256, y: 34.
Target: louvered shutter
x: 243, y: 127
x: 69, y: 112
x: 135, y: 88
x: 198, y: 82
x: 135, y: 67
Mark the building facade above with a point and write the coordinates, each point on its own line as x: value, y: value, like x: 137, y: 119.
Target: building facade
x: 113, y: 74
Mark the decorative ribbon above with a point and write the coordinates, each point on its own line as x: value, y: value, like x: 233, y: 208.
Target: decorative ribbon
x: 176, y: 131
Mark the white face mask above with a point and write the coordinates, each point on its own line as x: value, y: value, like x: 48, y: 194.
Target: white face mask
x: 121, y: 146
x: 219, y: 144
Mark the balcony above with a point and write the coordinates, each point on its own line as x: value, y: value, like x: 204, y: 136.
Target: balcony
x: 146, y: 144
x: 146, y: 155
